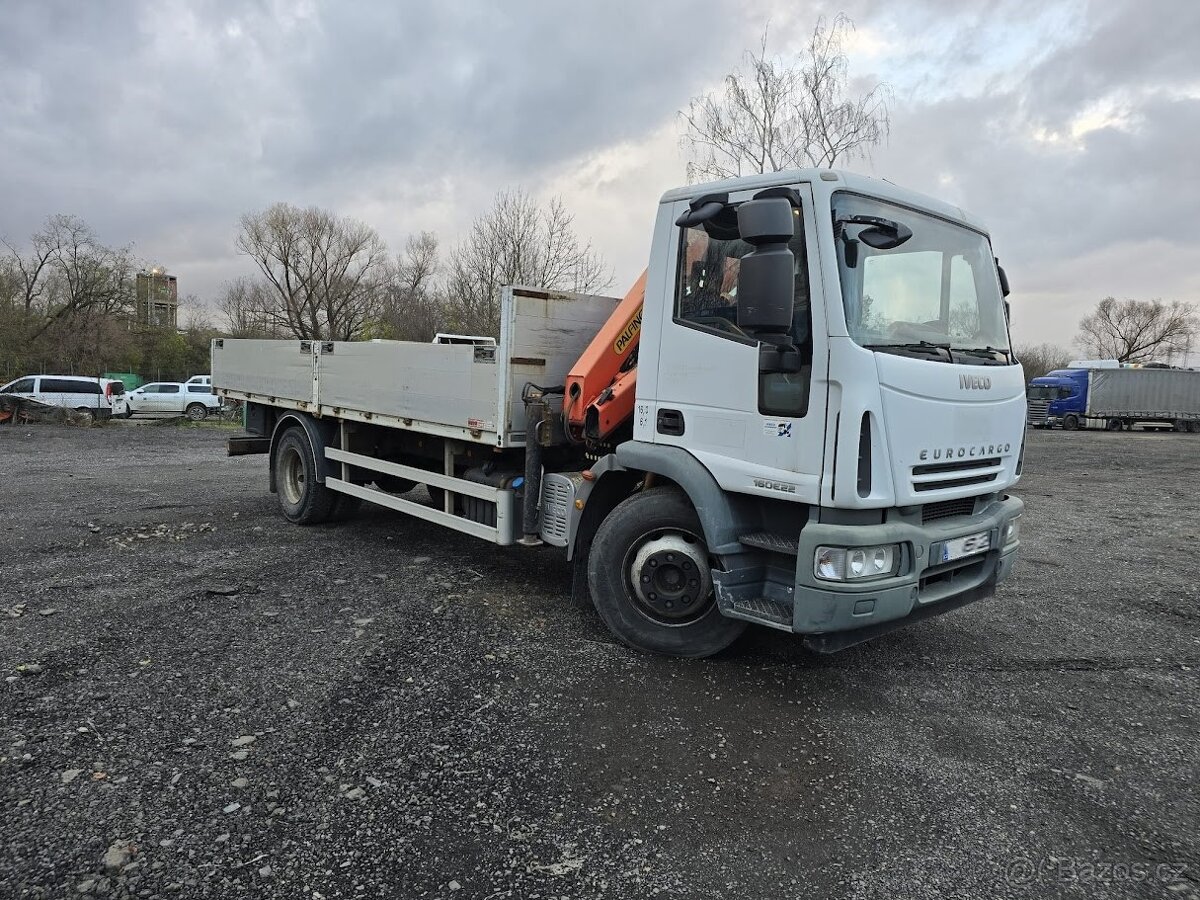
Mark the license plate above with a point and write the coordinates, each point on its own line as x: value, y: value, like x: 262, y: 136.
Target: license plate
x: 966, y: 546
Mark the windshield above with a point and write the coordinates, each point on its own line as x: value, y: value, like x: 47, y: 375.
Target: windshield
x: 1042, y: 393
x: 932, y: 293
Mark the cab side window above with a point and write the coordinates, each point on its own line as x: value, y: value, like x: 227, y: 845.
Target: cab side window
x: 706, y: 298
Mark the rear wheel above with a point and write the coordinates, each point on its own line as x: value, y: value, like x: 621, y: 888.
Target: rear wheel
x: 649, y: 576
x: 302, y: 499
x: 87, y: 411
x: 1113, y: 425
x: 197, y: 412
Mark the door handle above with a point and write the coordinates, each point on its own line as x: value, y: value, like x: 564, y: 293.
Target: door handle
x: 670, y: 421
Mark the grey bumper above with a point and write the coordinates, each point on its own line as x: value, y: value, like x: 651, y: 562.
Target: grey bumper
x: 837, y: 615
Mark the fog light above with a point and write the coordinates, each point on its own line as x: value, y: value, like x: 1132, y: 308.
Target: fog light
x: 1012, y: 531
x: 856, y: 563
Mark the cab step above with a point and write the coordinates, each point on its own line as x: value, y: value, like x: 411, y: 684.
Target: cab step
x: 776, y: 543
x: 765, y: 612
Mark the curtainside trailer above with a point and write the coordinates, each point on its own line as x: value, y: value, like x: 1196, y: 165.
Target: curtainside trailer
x: 1116, y: 399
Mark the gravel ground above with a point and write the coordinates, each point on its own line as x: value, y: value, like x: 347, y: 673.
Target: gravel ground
x: 202, y: 701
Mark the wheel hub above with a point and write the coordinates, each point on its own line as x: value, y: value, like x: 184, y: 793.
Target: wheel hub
x: 670, y: 577
x: 293, y: 476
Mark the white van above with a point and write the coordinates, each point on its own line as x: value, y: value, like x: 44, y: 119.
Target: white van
x: 101, y: 398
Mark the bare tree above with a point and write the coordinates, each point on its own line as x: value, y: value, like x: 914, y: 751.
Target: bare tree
x: 1138, y: 330
x: 518, y: 242
x: 785, y: 113
x: 25, y: 273
x: 413, y: 304
x: 245, y: 309
x: 1038, y: 359
x: 80, y: 274
x: 321, y: 268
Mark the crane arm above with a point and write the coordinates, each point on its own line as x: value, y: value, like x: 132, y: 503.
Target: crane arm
x: 600, y: 386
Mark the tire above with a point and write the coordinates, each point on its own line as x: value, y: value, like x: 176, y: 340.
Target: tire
x: 1070, y: 423
x: 1194, y: 427
x: 302, y: 499
x: 197, y: 412
x: 87, y: 411
x: 438, y: 497
x: 655, y: 536
x: 1113, y: 425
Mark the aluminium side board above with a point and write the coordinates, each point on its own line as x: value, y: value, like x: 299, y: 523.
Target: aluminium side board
x: 471, y: 393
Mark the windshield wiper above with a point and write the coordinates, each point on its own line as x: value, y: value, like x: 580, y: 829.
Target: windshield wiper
x: 917, y: 347
x: 984, y: 351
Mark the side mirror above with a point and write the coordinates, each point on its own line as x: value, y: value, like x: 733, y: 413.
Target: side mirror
x: 1003, y: 278
x: 766, y: 276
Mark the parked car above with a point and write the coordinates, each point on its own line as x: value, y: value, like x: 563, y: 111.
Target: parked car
x: 195, y: 401
x: 101, y: 398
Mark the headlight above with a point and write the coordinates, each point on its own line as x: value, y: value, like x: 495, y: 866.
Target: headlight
x: 856, y: 563
x: 1012, y: 531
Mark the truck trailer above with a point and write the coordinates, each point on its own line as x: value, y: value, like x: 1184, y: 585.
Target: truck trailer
x: 804, y: 415
x: 1116, y: 399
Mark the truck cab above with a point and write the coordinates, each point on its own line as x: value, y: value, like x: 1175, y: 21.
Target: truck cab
x: 1058, y: 398
x: 862, y: 479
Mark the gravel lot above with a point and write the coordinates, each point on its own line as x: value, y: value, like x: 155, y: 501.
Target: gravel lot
x: 202, y: 701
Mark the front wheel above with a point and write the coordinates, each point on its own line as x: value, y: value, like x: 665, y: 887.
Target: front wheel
x: 197, y: 412
x: 650, y: 578
x: 1070, y: 423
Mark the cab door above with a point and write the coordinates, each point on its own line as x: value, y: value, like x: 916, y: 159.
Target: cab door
x: 757, y: 432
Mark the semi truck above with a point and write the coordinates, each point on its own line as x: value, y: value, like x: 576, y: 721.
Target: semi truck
x: 804, y: 415
x: 1116, y: 399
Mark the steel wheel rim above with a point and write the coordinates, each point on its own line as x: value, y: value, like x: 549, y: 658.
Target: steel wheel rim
x: 667, y: 577
x: 293, y: 476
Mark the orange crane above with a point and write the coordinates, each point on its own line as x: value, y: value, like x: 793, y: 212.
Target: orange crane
x: 600, y: 387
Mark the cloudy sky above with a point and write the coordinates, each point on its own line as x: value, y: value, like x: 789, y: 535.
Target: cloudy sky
x: 1072, y: 128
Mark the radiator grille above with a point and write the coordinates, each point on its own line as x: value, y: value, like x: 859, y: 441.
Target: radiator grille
x: 1036, y: 411
x: 947, y: 509
x: 960, y: 473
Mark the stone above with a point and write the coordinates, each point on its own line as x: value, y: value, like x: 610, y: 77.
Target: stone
x: 118, y: 854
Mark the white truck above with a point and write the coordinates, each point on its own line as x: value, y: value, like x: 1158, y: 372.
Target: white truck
x: 805, y: 415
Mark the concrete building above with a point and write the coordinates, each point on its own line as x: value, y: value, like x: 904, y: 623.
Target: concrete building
x: 157, y: 299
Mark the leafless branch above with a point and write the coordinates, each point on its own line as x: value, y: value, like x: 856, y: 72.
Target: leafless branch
x: 779, y: 113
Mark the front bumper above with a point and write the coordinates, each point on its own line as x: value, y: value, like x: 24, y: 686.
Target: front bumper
x: 837, y: 615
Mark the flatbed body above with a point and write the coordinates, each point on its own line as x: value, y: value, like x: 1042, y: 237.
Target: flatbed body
x: 461, y: 391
